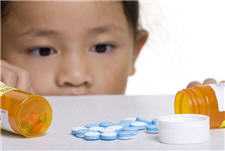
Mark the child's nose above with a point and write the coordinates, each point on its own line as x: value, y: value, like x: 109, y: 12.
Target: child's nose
x: 74, y: 74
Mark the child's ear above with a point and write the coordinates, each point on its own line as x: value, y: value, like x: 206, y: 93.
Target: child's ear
x: 139, y: 42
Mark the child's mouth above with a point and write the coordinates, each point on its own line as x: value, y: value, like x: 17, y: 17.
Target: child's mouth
x: 75, y: 92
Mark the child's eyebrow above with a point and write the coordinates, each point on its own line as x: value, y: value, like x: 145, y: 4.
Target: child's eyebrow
x: 40, y: 32
x: 106, y: 28
x: 95, y: 30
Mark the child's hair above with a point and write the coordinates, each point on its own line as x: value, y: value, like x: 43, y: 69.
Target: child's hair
x: 131, y: 11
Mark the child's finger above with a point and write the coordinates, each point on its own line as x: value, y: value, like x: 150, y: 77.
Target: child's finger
x: 193, y: 83
x: 8, y: 77
x: 209, y: 81
x: 23, y: 81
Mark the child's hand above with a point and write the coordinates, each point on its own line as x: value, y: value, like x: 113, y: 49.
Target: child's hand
x: 206, y: 81
x: 15, y: 77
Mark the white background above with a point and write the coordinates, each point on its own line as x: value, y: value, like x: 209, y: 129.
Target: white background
x: 186, y: 43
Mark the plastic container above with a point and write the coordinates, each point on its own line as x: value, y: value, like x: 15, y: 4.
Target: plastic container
x: 203, y: 99
x: 24, y: 113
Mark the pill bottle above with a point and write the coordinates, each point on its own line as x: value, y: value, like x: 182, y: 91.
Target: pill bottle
x: 203, y: 99
x: 23, y: 113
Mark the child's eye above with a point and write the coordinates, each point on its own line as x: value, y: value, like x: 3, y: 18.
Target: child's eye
x: 103, y: 48
x: 42, y: 51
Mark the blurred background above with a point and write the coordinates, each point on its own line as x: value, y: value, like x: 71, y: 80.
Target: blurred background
x: 186, y: 43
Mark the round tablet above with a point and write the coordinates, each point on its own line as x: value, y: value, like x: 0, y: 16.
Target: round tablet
x: 108, y: 136
x: 153, y: 122
x: 105, y: 124
x: 139, y: 125
x: 91, y: 136
x: 96, y: 129
x: 140, y: 119
x: 152, y: 129
x: 130, y: 128
x: 128, y: 120
x: 114, y: 128
x: 126, y: 135
x: 79, y: 131
x: 125, y: 123
x: 91, y: 125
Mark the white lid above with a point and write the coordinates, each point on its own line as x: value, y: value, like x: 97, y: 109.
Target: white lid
x: 183, y: 128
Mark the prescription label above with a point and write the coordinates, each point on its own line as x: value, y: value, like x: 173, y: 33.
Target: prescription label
x: 4, y: 88
x: 219, y: 90
x: 4, y: 120
x: 222, y: 124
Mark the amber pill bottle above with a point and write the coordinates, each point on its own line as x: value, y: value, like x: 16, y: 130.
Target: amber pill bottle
x: 24, y: 113
x: 203, y: 99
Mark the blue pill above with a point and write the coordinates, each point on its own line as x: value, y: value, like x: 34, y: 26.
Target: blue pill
x: 128, y: 120
x: 79, y: 135
x: 90, y: 136
x: 153, y: 122
x: 113, y: 128
x: 127, y: 133
x: 139, y: 125
x: 108, y: 136
x: 96, y: 129
x: 105, y: 124
x: 91, y: 125
x: 123, y: 135
x: 130, y: 128
x: 79, y: 131
x: 124, y: 124
x: 152, y: 129
x: 141, y: 119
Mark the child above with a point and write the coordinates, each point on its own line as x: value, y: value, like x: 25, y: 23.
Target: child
x: 70, y: 48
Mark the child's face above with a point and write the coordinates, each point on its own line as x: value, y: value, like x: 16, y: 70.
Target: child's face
x: 71, y: 48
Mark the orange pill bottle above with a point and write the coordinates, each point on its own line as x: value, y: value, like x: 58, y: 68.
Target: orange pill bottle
x: 203, y: 99
x: 23, y: 113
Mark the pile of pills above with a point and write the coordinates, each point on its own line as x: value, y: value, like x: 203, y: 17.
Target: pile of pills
x: 126, y: 129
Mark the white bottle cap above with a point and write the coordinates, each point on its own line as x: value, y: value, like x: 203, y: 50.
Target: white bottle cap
x: 183, y: 129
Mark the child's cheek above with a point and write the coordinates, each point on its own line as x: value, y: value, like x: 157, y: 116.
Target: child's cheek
x: 113, y: 79
x: 43, y: 83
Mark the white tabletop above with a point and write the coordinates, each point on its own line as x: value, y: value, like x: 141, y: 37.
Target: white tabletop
x: 75, y: 111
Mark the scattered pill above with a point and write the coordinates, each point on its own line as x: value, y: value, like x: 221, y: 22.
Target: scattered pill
x: 79, y: 131
x: 114, y: 128
x: 138, y: 125
x: 141, y: 120
x: 105, y: 124
x: 130, y: 128
x: 108, y: 136
x: 130, y: 119
x: 91, y: 125
x: 91, y: 136
x: 126, y: 129
x: 96, y: 128
x: 153, y: 122
x: 152, y: 129
x: 124, y: 135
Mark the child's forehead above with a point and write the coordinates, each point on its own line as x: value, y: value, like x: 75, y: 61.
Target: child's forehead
x: 44, y: 18
x: 100, y: 9
x: 70, y: 13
